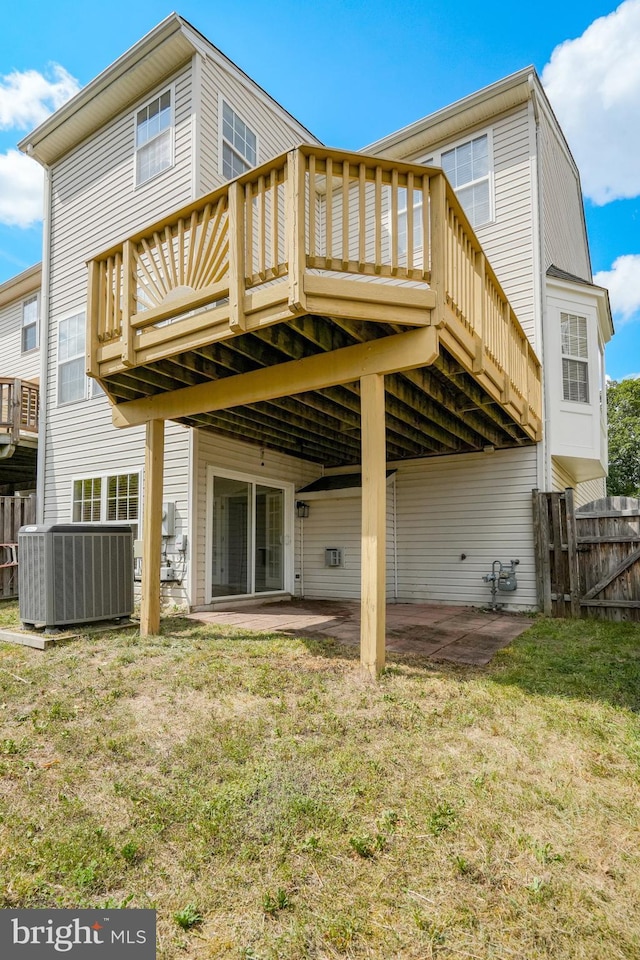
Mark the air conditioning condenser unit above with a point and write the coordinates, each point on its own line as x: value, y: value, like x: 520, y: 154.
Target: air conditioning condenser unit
x: 74, y: 573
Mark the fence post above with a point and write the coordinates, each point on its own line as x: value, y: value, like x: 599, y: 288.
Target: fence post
x: 572, y: 553
x: 541, y: 543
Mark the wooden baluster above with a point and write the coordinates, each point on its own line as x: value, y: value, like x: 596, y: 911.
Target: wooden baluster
x: 181, y: 263
x: 275, y: 225
x: 329, y: 211
x: 262, y: 229
x: 345, y: 215
x: 312, y: 205
x: 193, y: 229
x: 409, y: 221
x: 378, y: 220
x: 394, y: 221
x: 362, y: 217
x: 426, y: 262
x: 248, y: 213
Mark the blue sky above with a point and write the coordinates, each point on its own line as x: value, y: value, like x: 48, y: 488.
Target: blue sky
x: 354, y: 71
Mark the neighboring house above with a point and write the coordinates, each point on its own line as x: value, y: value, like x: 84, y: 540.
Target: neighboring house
x: 278, y: 317
x: 19, y: 378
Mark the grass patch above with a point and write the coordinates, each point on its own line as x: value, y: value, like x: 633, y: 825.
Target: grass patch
x: 270, y: 804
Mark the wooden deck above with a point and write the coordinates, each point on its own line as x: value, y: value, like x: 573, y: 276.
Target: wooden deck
x: 256, y: 310
x: 19, y: 407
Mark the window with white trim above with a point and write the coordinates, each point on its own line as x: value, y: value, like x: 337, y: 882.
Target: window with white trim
x: 110, y: 498
x: 154, y: 137
x: 71, y: 359
x: 467, y: 167
x: 239, y: 144
x: 575, y: 357
x: 30, y: 324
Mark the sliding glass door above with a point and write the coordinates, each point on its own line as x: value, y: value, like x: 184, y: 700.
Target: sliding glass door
x: 247, y: 537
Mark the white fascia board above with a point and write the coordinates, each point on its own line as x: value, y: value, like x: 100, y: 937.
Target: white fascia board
x: 22, y: 285
x: 475, y: 110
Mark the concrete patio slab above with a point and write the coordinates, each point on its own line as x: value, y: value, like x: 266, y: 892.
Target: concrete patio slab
x: 464, y: 635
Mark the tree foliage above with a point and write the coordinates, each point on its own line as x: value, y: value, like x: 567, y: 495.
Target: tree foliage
x: 623, y: 414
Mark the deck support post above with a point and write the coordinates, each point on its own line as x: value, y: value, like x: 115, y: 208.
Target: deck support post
x: 373, y: 554
x: 152, y: 528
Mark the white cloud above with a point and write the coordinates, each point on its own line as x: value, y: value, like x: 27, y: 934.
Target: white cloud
x: 21, y: 182
x: 623, y: 283
x: 593, y: 83
x: 26, y: 99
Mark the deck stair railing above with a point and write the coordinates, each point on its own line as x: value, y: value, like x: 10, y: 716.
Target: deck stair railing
x: 245, y: 254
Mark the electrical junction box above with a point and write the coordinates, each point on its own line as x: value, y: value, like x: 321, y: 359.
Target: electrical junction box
x: 168, y: 573
x: 332, y: 557
x: 168, y: 519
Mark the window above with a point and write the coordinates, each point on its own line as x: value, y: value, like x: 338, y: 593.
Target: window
x: 575, y: 358
x: 154, y: 140
x: 71, y: 377
x: 239, y: 144
x: 114, y: 498
x: 30, y: 324
x: 467, y: 167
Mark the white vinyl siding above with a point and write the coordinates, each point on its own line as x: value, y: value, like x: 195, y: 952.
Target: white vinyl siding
x: 274, y: 132
x: 478, y: 505
x: 15, y: 361
x: 508, y: 239
x: 94, y: 204
x: 154, y: 137
x: 565, y: 242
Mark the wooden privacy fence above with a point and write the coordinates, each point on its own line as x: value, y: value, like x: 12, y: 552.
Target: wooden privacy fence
x: 587, y: 560
x: 15, y: 512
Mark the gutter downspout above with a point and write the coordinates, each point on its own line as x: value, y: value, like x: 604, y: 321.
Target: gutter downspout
x: 44, y: 346
x: 543, y: 460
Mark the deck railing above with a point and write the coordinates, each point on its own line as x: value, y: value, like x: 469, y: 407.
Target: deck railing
x: 244, y: 255
x: 18, y: 407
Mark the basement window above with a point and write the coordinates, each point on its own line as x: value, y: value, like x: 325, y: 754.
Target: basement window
x: 575, y: 357
x: 154, y: 137
x: 111, y: 498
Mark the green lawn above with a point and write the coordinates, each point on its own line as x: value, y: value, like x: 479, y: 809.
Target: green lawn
x: 271, y: 804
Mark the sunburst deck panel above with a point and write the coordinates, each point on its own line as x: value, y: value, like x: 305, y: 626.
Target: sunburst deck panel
x: 367, y: 245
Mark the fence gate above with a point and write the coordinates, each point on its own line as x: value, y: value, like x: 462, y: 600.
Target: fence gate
x: 587, y: 560
x: 15, y: 512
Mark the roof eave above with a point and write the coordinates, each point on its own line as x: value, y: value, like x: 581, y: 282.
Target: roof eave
x: 25, y: 283
x: 472, y: 111
x: 137, y: 69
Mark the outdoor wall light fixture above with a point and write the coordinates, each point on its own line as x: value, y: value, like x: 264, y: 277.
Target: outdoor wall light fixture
x: 302, y: 509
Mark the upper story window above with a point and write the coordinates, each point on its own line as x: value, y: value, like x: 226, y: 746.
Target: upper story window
x: 30, y: 324
x: 467, y: 167
x: 239, y: 144
x: 154, y: 137
x: 575, y: 357
x: 71, y: 359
